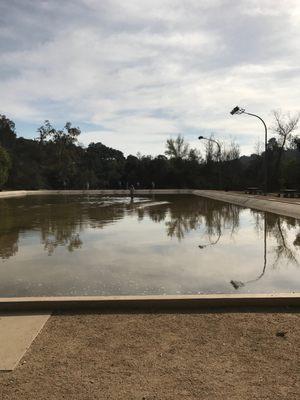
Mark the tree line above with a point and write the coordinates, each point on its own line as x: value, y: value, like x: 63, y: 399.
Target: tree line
x: 56, y: 160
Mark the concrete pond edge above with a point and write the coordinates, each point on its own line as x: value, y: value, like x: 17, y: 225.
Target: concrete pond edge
x: 149, y: 303
x: 161, y: 302
x: 269, y: 205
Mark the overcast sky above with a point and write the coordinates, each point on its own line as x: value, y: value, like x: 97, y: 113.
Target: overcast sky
x: 133, y: 73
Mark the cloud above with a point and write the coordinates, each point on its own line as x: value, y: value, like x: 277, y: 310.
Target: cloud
x: 140, y: 71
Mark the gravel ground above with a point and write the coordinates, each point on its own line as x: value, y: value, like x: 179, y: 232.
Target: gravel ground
x: 161, y: 356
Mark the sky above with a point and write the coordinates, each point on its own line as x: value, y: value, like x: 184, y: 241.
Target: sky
x: 132, y: 74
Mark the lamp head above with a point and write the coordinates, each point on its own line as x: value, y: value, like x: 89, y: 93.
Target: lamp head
x: 237, y: 110
x: 201, y: 137
x: 234, y: 110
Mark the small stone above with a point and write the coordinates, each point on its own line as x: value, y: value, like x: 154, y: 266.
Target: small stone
x: 281, y: 334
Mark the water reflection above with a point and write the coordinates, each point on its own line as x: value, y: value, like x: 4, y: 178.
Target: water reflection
x: 214, y: 217
x: 117, y: 245
x: 273, y: 226
x: 238, y: 284
x: 8, y: 245
x: 59, y: 219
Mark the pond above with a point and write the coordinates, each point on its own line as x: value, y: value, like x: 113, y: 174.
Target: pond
x: 67, y: 245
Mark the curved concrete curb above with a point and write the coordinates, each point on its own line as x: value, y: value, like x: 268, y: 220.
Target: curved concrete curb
x: 269, y: 205
x: 20, y: 193
x: 13, y: 193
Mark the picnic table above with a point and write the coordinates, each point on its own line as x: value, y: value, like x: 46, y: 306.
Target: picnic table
x: 253, y: 190
x: 289, y: 193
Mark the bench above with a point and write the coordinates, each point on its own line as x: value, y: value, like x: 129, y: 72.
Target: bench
x: 291, y: 193
x: 253, y: 190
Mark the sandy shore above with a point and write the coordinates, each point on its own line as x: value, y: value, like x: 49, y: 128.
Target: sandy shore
x: 161, y: 356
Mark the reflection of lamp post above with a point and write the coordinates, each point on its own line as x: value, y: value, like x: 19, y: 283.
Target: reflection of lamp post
x: 218, y: 156
x: 238, y: 110
x: 239, y: 284
x: 202, y: 246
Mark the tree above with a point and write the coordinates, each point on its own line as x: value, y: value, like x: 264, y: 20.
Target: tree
x: 7, y: 132
x: 106, y: 164
x: 194, y: 155
x: 231, y: 153
x: 285, y: 125
x: 66, y: 136
x: 61, y: 151
x: 177, y: 148
x: 213, y: 151
x: 296, y: 143
x: 5, y: 165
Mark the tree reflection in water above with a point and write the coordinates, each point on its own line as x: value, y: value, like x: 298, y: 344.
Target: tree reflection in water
x: 184, y: 215
x: 273, y: 227
x: 59, y: 220
x: 9, y: 232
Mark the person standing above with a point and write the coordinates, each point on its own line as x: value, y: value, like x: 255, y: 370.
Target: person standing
x: 131, y: 191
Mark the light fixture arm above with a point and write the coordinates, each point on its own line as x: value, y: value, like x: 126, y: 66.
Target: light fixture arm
x: 215, y: 141
x: 238, y: 110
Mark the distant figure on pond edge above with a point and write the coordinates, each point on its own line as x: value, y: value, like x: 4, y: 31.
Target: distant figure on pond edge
x: 131, y: 191
x: 153, y: 185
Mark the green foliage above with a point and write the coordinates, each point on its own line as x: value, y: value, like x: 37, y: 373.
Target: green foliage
x: 56, y: 160
x: 7, y: 132
x: 5, y: 165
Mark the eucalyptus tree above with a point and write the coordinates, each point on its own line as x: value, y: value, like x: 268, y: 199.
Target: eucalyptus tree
x: 60, y: 153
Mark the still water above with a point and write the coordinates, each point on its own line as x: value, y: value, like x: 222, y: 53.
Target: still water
x: 96, y: 245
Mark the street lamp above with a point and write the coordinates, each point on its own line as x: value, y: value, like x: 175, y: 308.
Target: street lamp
x: 237, y: 110
x: 212, y: 140
x: 218, y: 156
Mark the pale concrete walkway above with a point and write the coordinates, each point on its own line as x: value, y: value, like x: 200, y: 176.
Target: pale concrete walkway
x: 17, y: 332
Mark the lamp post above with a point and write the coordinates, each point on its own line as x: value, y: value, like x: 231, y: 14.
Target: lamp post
x: 218, y: 156
x: 238, y: 110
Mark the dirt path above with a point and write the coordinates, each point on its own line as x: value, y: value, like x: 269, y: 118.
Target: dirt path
x: 161, y: 356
